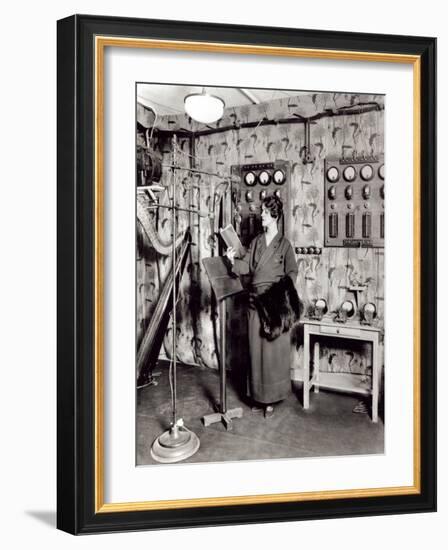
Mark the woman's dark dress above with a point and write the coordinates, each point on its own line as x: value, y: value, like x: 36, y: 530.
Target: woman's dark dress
x: 269, y: 379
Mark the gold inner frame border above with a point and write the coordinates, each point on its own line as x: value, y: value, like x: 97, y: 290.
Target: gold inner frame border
x: 101, y: 42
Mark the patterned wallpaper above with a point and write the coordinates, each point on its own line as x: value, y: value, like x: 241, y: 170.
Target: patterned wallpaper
x: 327, y: 275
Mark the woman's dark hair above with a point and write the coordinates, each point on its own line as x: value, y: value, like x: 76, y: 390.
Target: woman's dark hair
x: 274, y: 205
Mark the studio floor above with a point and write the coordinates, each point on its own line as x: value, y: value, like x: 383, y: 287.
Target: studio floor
x: 328, y: 428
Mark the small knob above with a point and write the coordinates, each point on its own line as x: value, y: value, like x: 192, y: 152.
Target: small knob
x: 366, y: 191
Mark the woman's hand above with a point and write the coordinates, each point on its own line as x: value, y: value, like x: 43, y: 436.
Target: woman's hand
x: 230, y: 253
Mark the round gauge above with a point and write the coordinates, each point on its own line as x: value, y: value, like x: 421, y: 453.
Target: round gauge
x: 264, y: 177
x: 321, y: 305
x: 348, y: 192
x: 279, y: 177
x: 277, y: 194
x: 381, y: 171
x: 367, y: 172
x: 249, y: 179
x: 348, y: 307
x: 369, y: 312
x: 349, y: 173
x: 369, y: 308
x: 249, y: 196
x: 263, y: 194
x: 333, y: 174
x: 332, y: 192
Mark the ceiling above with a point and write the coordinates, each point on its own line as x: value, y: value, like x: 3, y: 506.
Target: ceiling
x: 169, y: 99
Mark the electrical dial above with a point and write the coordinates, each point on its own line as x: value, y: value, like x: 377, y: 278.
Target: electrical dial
x: 250, y: 179
x: 264, y: 178
x: 349, y: 173
x: 279, y: 177
x: 333, y: 174
x: 367, y: 172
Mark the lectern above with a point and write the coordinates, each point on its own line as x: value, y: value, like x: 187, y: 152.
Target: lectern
x: 224, y: 286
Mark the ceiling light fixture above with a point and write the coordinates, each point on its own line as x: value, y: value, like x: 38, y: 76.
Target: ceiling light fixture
x: 204, y: 107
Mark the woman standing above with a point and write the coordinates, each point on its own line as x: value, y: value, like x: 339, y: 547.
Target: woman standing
x: 275, y: 305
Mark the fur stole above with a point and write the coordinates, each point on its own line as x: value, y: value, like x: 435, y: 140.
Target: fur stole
x: 279, y: 308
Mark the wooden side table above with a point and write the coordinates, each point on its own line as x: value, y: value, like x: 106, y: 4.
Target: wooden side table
x: 348, y: 332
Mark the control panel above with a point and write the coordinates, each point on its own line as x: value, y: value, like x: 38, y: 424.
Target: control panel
x: 255, y: 182
x: 354, y: 202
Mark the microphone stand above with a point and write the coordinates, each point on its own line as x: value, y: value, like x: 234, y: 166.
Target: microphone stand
x: 178, y: 442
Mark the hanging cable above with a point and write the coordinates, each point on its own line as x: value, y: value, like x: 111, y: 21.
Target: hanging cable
x: 163, y: 247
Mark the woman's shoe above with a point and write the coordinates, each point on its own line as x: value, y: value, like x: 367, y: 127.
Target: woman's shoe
x: 268, y: 411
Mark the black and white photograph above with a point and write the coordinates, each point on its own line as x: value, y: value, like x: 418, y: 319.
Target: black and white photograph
x: 219, y: 330
x: 259, y: 288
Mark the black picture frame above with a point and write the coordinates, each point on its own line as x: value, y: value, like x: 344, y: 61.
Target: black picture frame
x: 79, y: 507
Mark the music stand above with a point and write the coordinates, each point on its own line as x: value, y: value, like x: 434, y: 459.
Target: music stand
x: 224, y: 286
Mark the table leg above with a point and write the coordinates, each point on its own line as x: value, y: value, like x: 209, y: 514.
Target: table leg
x: 375, y: 377
x: 316, y: 363
x: 306, y: 367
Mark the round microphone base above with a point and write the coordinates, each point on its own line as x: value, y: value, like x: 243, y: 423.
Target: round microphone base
x: 175, y: 445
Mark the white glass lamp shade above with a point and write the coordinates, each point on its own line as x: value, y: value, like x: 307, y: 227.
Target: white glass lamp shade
x: 204, y: 108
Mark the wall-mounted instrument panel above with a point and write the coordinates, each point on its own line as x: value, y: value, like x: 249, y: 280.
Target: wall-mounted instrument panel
x: 354, y: 202
x: 255, y: 182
